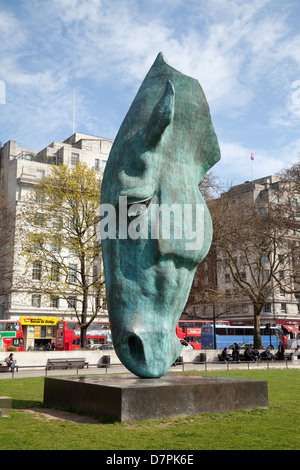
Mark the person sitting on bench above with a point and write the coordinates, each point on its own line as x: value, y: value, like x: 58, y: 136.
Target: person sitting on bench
x: 224, y: 355
x: 11, y: 362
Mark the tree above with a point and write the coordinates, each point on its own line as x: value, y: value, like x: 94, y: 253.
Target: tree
x: 291, y: 180
x: 258, y: 247
x: 61, y: 242
x: 6, y: 246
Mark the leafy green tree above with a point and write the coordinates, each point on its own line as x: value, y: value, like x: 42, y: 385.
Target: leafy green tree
x: 60, y: 238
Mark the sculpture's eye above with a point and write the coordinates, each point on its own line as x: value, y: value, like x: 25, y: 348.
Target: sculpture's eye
x: 136, y: 209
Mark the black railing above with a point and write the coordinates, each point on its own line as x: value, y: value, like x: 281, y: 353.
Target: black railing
x: 206, y: 366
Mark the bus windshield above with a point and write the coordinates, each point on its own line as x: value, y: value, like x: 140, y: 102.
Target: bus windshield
x: 10, y: 326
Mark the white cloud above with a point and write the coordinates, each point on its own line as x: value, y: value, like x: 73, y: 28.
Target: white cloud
x: 244, y: 53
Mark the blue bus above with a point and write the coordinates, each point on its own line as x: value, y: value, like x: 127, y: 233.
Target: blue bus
x: 226, y: 336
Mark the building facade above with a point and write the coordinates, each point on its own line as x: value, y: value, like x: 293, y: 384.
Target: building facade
x: 20, y: 171
x: 213, y: 274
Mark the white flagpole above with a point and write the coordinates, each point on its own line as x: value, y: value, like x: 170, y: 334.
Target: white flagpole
x: 73, y: 110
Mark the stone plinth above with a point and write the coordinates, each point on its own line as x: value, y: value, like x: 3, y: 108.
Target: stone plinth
x: 129, y: 398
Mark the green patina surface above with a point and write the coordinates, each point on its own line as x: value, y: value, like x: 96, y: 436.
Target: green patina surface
x: 165, y: 145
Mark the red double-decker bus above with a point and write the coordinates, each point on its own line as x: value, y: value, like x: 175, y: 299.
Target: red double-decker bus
x: 67, y: 336
x: 11, y: 335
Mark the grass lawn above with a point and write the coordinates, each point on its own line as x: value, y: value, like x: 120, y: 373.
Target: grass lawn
x: 276, y: 428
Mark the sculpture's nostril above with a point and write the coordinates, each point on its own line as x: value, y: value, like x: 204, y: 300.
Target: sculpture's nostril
x: 136, y: 348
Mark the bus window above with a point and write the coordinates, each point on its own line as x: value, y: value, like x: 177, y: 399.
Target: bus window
x: 222, y: 331
x: 277, y: 333
x: 206, y: 329
x: 18, y: 342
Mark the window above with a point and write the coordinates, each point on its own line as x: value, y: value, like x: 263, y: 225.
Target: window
x: 96, y: 167
x: 73, y: 249
x: 72, y: 273
x: 103, y: 165
x: 294, y: 202
x: 56, y: 222
x: 74, y: 159
x: 282, y: 292
x: 248, y: 331
x: 39, y: 197
x: 54, y: 301
x: 71, y: 302
x: 55, y: 272
x: 276, y: 198
x: 38, y: 242
x: 36, y: 300
x: 40, y: 174
x: 36, y: 271
x: 267, y: 308
x: 283, y: 308
x: 220, y: 331
x: 39, y: 219
x: 55, y: 247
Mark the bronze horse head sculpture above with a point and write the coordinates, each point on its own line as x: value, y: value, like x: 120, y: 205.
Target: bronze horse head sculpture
x: 155, y: 226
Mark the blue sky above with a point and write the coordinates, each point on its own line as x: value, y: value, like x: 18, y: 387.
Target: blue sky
x: 245, y: 54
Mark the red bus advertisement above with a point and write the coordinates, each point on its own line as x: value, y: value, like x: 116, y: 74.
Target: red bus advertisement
x: 11, y: 335
x: 191, y: 335
x: 68, y: 335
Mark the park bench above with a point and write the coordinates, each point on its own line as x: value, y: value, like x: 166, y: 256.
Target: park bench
x: 221, y: 359
x: 78, y: 362
x: 66, y: 363
x: 5, y: 368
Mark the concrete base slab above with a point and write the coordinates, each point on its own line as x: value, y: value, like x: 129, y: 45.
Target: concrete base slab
x: 129, y: 398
